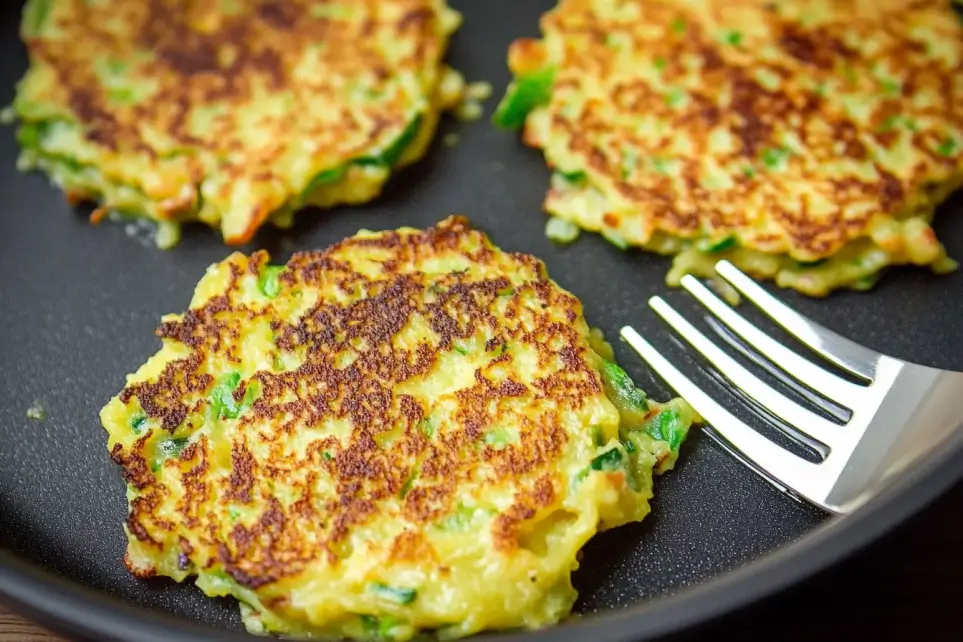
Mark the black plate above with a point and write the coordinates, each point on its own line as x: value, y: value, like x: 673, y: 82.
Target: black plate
x: 78, y: 305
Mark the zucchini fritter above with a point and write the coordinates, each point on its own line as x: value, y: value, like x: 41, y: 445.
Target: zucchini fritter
x: 230, y: 113
x: 408, y: 431
x: 805, y: 140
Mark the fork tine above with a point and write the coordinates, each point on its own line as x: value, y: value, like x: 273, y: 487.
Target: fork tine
x: 765, y: 456
x: 805, y: 421
x: 849, y: 356
x: 823, y: 382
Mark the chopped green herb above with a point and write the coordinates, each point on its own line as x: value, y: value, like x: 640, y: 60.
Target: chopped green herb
x: 675, y: 97
x: 811, y: 264
x: 172, y: 447
x: 326, y: 177
x: 574, y: 178
x: 137, y: 422
x: 733, y: 38
x: 506, y: 292
x: 222, y: 400
x: 379, y: 629
x: 460, y: 349
x: 427, y: 427
x: 660, y: 63
x: 948, y: 147
x: 268, y: 281
x: 277, y: 363
x: 35, y: 15
x: 607, y: 461
x: 709, y: 246
x: 892, y: 87
x: 408, y: 485
x: 621, y: 390
x: 234, y: 514
x: 662, y: 165
x: 678, y: 25
x: 865, y: 283
x: 326, y: 456
x: 629, y: 446
x: 630, y: 160
x: 749, y: 172
x: 774, y: 158
x: 667, y: 426
x: 524, y: 94
x: 393, y: 153
x: 395, y: 594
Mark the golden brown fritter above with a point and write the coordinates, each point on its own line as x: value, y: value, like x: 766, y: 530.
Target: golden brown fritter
x: 409, y: 430
x: 793, y: 130
x: 230, y: 113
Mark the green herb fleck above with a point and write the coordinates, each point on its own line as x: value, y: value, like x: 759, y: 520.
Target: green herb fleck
x: 268, y: 281
x: 326, y: 177
x: 460, y: 349
x: 395, y: 594
x: 234, y: 514
x: 660, y: 63
x: 948, y: 147
x: 137, y: 422
x: 408, y: 485
x: 621, y: 389
x: 733, y: 38
x: 675, y: 97
x: 709, y: 246
x: 427, y: 427
x: 393, y: 152
x: 575, y: 178
x: 629, y: 446
x: 524, y: 94
x: 662, y: 165
x: 35, y: 15
x: 667, y: 426
x: 774, y: 158
x: 811, y: 264
x: 378, y: 629
x: 597, y: 436
x: 506, y: 292
x: 608, y: 461
x: 749, y: 172
x: 892, y: 87
x: 678, y: 26
x: 172, y: 447
x: 630, y: 160
x: 222, y: 399
x: 326, y: 456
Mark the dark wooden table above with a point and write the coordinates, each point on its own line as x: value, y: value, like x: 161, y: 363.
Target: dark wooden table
x: 907, y: 587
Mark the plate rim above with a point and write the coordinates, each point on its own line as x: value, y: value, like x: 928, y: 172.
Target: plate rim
x: 71, y: 608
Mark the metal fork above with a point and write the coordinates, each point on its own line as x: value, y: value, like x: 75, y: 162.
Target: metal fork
x: 901, y: 413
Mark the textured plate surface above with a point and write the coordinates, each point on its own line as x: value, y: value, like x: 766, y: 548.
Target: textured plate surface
x: 78, y: 305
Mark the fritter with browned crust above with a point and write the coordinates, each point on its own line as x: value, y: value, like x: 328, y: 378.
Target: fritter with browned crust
x: 807, y: 141
x: 230, y: 113
x: 408, y: 431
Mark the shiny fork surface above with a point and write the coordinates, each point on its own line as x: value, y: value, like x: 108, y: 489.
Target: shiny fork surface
x: 900, y: 414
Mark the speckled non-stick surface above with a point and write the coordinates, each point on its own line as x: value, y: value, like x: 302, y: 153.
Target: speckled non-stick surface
x: 79, y: 303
